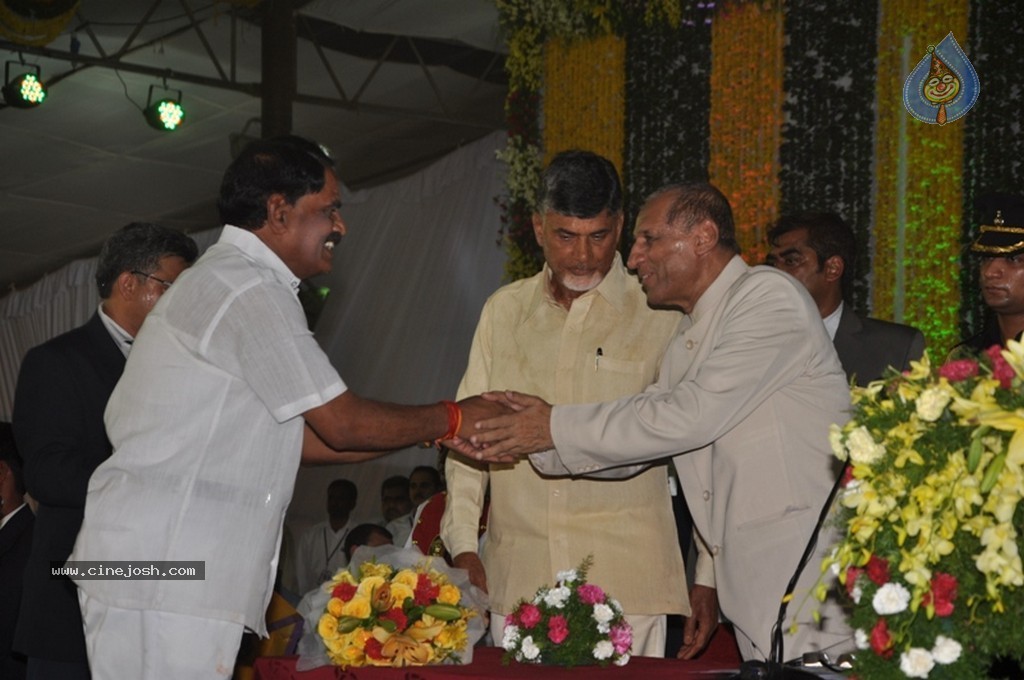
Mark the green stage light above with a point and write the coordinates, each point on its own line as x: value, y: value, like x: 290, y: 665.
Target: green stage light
x: 24, y: 91
x: 165, y: 114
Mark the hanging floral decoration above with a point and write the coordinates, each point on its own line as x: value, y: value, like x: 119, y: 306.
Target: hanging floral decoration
x: 584, y: 99
x: 993, y: 138
x: 530, y: 27
x: 918, y: 169
x: 826, y: 156
x: 746, y: 114
x: 668, y: 91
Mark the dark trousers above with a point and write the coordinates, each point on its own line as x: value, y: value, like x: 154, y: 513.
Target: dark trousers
x: 46, y: 669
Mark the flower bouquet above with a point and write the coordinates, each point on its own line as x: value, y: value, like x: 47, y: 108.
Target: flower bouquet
x: 930, y: 544
x: 396, y: 608
x: 574, y: 623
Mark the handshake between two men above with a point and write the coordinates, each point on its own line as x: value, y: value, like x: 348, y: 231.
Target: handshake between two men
x: 524, y: 429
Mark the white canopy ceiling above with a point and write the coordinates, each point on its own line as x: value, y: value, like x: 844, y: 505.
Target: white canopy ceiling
x: 388, y: 85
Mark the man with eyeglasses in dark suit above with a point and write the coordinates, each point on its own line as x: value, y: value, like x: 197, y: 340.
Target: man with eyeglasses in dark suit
x: 62, y: 391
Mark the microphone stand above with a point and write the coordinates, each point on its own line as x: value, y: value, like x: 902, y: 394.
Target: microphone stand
x: 774, y: 668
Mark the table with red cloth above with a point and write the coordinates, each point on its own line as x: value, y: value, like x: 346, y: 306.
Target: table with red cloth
x: 487, y: 664
x: 716, y: 662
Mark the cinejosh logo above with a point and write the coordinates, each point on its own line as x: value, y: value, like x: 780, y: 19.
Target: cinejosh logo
x: 943, y: 86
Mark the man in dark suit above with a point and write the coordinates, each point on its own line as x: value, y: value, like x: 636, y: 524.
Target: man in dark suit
x: 16, y: 521
x: 62, y: 391
x: 819, y: 250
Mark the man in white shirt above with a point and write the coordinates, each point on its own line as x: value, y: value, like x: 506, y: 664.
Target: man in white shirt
x: 321, y: 549
x: 225, y: 391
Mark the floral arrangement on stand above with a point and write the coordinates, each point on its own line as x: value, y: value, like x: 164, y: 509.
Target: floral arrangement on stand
x: 575, y: 623
x: 396, y: 609
x: 930, y: 544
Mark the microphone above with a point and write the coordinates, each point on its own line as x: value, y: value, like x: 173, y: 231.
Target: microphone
x: 774, y: 667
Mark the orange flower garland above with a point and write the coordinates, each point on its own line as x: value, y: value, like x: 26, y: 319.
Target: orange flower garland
x: 584, y: 96
x: 746, y: 115
x: 919, y: 197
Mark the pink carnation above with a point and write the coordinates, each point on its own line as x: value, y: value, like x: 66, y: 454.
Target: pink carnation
x: 1001, y: 370
x: 529, y: 615
x: 558, y: 629
x: 960, y: 369
x: 590, y: 594
x: 621, y: 638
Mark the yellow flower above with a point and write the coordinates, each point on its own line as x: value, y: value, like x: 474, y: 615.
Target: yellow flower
x: 359, y: 607
x: 449, y: 594
x: 380, y: 599
x: 327, y: 627
x: 335, y: 607
x: 426, y: 628
x: 399, y: 592
x: 403, y: 650
x: 380, y: 570
x: 353, y: 653
x: 368, y: 585
x: 406, y: 577
x: 919, y: 370
x: 453, y: 636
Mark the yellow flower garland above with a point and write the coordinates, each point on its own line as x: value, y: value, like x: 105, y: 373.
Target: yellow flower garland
x: 584, y: 96
x: 746, y: 115
x: 918, y: 202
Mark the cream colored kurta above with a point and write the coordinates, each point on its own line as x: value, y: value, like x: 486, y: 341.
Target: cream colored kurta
x: 746, y: 395
x: 607, y: 345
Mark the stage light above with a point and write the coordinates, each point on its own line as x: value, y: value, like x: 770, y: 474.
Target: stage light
x: 165, y: 114
x: 26, y: 90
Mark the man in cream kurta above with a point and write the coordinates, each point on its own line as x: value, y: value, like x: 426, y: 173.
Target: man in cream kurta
x: 746, y: 394
x: 604, y: 343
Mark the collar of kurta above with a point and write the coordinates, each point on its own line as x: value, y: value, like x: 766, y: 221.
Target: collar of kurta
x: 718, y: 288
x: 251, y: 245
x: 613, y: 288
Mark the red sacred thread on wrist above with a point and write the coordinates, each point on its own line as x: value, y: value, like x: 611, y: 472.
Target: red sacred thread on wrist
x: 454, y: 421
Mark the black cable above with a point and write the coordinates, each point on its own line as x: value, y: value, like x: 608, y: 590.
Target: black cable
x: 774, y: 668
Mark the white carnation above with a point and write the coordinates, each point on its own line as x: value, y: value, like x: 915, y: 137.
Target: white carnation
x: 863, y: 449
x: 932, y: 403
x: 529, y: 650
x: 622, y: 660
x: 835, y: 440
x: 603, y: 650
x: 946, y: 650
x: 856, y: 594
x: 860, y: 638
x: 568, y: 576
x: 603, y: 613
x: 557, y: 597
x: 892, y: 598
x: 916, y: 662
x: 510, y: 637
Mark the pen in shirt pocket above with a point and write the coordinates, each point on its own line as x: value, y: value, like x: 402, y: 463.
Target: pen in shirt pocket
x: 597, y: 357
